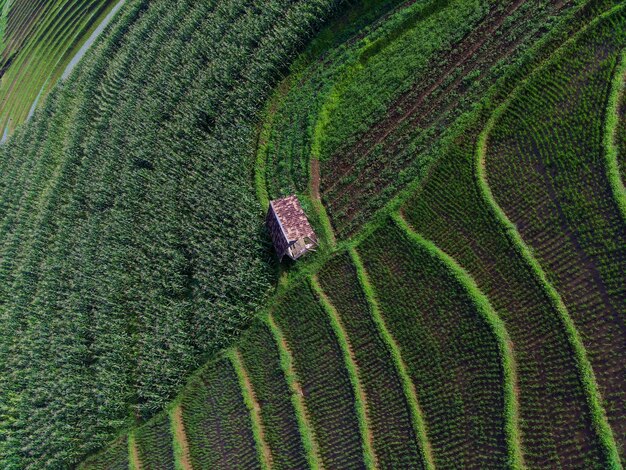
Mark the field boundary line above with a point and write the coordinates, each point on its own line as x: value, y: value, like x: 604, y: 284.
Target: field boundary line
x: 249, y: 397
x: 297, y: 396
x: 417, y: 417
x: 182, y: 459
x: 610, y: 129
x: 360, y: 404
x: 486, y: 311
x: 134, y: 462
x: 604, y: 434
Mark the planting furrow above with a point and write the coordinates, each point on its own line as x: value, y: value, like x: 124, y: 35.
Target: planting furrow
x: 510, y: 385
x: 361, y: 402
x: 386, y: 159
x: 419, y: 93
x: 451, y: 210
x: 320, y: 368
x: 547, y: 172
x: 393, y: 412
x: 282, y: 410
x: 265, y: 455
x: 450, y: 349
x: 217, y: 421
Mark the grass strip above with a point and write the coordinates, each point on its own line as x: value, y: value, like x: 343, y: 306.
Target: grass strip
x: 297, y: 397
x: 134, y: 463
x: 484, y: 308
x: 263, y: 450
x: 600, y: 422
x: 360, y: 401
x: 419, y: 424
x: 610, y: 130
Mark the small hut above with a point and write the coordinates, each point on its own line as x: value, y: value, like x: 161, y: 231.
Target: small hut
x: 291, y: 231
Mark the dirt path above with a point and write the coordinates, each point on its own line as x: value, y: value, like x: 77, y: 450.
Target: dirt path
x: 315, y: 179
x: 135, y: 461
x: 255, y: 410
x: 91, y: 39
x: 181, y: 438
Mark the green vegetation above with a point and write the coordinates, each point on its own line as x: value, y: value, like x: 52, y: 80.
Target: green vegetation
x: 217, y: 421
x: 374, y: 110
x: 394, y: 438
x: 458, y: 159
x: 515, y: 457
x: 360, y: 398
x: 132, y: 234
x: 562, y: 202
x: 320, y: 368
x: 253, y: 406
x: 39, y: 39
x: 115, y: 457
x: 261, y: 358
x: 154, y: 443
x: 613, y: 140
x: 620, y: 133
x: 451, y: 353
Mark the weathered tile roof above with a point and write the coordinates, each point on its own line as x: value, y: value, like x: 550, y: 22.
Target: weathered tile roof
x: 292, y: 218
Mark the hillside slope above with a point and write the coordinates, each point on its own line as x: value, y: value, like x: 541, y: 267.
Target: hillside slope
x: 476, y: 320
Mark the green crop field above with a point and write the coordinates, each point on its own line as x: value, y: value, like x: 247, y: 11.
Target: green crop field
x: 463, y: 163
x: 38, y: 41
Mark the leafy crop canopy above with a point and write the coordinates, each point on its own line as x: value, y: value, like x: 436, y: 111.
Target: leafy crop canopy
x: 131, y: 240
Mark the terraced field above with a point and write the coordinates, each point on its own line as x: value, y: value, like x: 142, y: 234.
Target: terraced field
x: 562, y: 202
x: 39, y: 39
x: 463, y: 163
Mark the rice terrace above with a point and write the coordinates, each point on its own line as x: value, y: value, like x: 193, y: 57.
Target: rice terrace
x: 325, y: 234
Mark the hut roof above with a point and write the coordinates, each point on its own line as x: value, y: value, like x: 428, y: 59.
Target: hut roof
x: 292, y: 218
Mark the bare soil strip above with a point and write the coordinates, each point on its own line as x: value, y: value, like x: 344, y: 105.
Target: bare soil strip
x: 135, y: 461
x: 181, y: 437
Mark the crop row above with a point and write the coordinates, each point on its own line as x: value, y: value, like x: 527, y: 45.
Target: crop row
x: 362, y: 176
x: 154, y: 443
x: 451, y: 354
x: 39, y: 48
x: 619, y: 136
x: 545, y: 164
x: 395, y: 442
x: 285, y: 142
x: 451, y: 211
x: 217, y: 422
x: 374, y: 109
x: 262, y: 361
x: 321, y: 371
